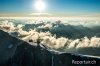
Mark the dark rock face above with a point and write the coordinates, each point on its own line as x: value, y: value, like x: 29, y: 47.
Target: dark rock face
x: 8, y: 45
x: 25, y: 54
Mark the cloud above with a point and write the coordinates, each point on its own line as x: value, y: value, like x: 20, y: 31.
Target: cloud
x: 41, y: 14
x: 78, y: 45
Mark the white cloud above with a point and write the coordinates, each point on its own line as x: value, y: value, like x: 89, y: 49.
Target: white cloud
x: 68, y: 45
x: 48, y: 14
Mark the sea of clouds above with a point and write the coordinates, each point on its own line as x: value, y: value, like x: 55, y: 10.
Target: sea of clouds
x: 73, y: 36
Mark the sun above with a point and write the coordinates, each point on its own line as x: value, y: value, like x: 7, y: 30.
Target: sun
x: 40, y: 5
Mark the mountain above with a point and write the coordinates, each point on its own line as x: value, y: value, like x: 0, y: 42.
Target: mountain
x: 15, y: 52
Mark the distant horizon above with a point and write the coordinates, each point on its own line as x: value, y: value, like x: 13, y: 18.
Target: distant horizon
x: 47, y: 15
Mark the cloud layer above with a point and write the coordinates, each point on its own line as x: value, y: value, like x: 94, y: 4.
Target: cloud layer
x: 71, y: 36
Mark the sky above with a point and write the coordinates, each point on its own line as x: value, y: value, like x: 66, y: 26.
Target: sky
x: 54, y: 7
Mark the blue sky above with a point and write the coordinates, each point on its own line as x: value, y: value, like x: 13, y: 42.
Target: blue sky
x: 55, y: 7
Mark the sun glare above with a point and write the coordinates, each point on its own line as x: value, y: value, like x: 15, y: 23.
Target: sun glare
x: 40, y: 5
